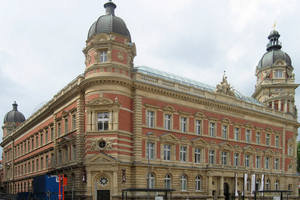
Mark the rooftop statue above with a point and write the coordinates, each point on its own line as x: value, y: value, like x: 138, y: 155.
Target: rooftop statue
x: 224, y: 87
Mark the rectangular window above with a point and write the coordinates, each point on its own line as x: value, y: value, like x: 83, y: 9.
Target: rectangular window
x: 25, y: 148
x: 167, y: 152
x: 33, y: 166
x: 276, y: 164
x: 42, y: 163
x: 257, y: 138
x: 236, y: 159
x: 25, y: 168
x: 248, y: 136
x: 224, y: 132
x: 267, y: 163
x: 74, y: 152
x: 211, y: 157
x: 277, y: 141
x: 59, y: 157
x: 268, y: 139
x: 52, y: 134
x: 150, y: 150
x: 47, y: 161
x: 182, y: 154
x: 183, y: 121
x: 257, y: 162
x: 29, y: 167
x: 247, y: 160
x: 150, y: 119
x: 224, y: 158
x: 46, y: 136
x: 59, y: 129
x: 42, y: 139
x: 212, y: 129
x: 236, y: 134
x: 21, y: 149
x: 74, y: 122
x: 32, y: 144
x: 278, y: 74
x: 37, y: 164
x: 290, y: 150
x: 167, y: 122
x: 198, y: 127
x: 197, y: 155
x: 102, y: 121
x: 103, y: 56
x: 36, y: 141
x: 66, y: 125
x: 66, y: 151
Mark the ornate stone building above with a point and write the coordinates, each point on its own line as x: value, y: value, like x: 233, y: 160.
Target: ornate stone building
x: 206, y: 142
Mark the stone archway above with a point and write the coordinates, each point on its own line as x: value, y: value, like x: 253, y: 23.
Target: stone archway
x: 226, y: 191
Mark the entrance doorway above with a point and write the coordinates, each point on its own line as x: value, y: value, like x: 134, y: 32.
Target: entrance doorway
x: 103, y: 194
x: 226, y: 191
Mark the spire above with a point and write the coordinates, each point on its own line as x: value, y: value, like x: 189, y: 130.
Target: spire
x: 15, y: 106
x: 274, y: 42
x: 110, y: 8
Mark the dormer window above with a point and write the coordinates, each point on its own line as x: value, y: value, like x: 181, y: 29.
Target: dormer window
x: 278, y: 74
x: 103, y: 56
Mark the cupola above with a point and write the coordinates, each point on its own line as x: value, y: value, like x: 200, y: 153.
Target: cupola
x: 109, y: 23
x: 14, y: 115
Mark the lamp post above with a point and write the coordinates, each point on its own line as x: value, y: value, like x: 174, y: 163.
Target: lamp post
x: 148, y: 152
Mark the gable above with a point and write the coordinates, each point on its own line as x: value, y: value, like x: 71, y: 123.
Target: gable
x: 101, y: 158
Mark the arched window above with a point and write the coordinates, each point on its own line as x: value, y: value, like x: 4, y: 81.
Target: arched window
x: 151, y: 181
x: 277, y: 185
x: 183, y: 183
x: 268, y: 184
x: 167, y: 181
x: 198, y: 183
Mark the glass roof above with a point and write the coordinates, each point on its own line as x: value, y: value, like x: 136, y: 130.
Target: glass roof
x: 185, y: 81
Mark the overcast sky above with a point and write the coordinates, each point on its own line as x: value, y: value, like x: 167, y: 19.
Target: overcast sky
x: 41, y: 41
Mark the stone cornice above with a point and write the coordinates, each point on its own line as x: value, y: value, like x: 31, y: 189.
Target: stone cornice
x: 214, y: 103
x: 68, y: 91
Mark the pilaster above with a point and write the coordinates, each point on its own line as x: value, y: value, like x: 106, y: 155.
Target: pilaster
x: 137, y: 128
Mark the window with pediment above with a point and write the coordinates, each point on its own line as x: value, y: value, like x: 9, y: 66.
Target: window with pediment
x: 183, y: 154
x: 102, y: 114
x: 168, y: 117
x: 276, y: 163
x: 198, y: 123
x: 168, y: 147
x: 184, y: 121
x: 236, y: 134
x: 248, y: 136
x: 247, y: 160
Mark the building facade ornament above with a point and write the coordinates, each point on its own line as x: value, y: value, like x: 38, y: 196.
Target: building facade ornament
x: 224, y: 87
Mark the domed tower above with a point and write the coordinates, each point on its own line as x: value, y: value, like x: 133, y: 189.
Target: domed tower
x: 12, y: 119
x: 109, y: 50
x: 275, y: 85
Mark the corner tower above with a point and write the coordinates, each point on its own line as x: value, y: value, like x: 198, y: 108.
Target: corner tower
x: 12, y: 120
x: 275, y: 86
x: 109, y: 50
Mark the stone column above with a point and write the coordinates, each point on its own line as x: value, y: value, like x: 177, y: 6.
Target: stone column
x: 115, y: 183
x: 110, y: 120
x: 279, y: 105
x: 93, y: 120
x: 221, y: 186
x: 273, y: 104
x: 285, y: 105
x: 209, y: 188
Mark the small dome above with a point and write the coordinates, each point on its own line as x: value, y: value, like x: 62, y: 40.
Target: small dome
x: 274, y: 52
x: 14, y: 115
x: 270, y: 57
x: 109, y: 23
